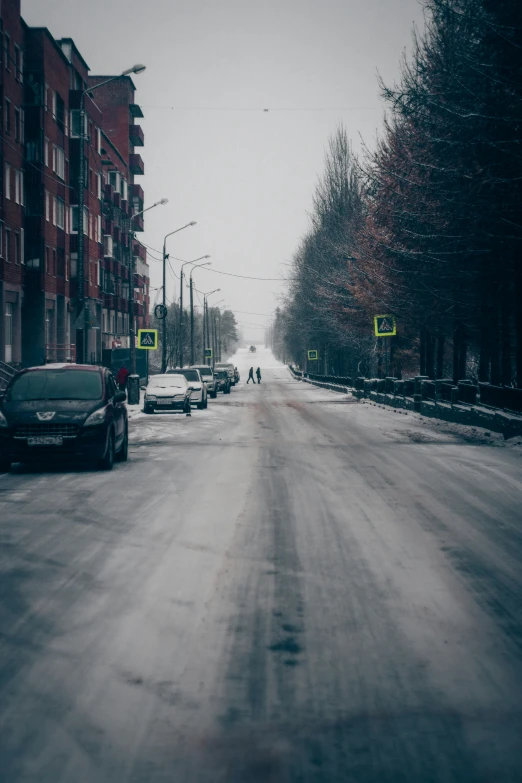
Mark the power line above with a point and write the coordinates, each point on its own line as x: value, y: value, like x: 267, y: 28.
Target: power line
x: 263, y: 109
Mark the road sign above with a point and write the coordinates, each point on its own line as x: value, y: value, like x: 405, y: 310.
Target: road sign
x: 160, y: 311
x: 384, y: 326
x: 208, y: 353
x: 148, y: 339
x: 313, y: 356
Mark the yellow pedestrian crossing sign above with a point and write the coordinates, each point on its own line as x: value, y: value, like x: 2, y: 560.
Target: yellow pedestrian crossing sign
x: 148, y: 339
x: 313, y: 356
x: 384, y: 326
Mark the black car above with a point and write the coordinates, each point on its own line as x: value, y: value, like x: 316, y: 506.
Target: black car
x: 222, y: 379
x: 63, y: 411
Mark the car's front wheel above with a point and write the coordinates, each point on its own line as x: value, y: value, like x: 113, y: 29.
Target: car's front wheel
x: 213, y: 394
x: 107, y: 463
x: 201, y: 404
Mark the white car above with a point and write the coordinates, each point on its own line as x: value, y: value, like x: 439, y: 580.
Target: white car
x: 199, y: 396
x: 207, y: 374
x: 168, y: 392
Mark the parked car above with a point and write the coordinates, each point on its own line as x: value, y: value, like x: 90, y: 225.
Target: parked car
x: 229, y: 368
x: 168, y: 392
x: 199, y: 396
x: 208, y: 378
x: 63, y: 411
x: 223, y: 383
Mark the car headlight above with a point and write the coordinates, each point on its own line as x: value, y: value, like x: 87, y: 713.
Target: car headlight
x: 179, y: 396
x: 150, y: 397
x: 98, y: 417
x: 3, y: 420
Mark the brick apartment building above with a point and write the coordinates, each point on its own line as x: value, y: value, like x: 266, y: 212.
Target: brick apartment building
x: 41, y: 228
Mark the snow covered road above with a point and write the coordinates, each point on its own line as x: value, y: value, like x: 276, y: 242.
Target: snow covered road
x: 288, y: 586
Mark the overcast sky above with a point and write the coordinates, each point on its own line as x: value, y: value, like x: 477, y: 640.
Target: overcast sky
x: 247, y: 176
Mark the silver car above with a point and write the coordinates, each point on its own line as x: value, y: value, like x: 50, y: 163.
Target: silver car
x: 231, y: 370
x: 207, y: 374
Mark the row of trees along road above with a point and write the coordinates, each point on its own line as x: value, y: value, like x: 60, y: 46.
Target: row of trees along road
x: 222, y: 336
x: 428, y: 225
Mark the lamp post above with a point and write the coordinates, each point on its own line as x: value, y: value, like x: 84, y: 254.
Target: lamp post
x: 164, y: 323
x: 81, y: 334
x: 207, y: 263
x: 132, y: 330
x: 181, y: 306
x: 206, y: 329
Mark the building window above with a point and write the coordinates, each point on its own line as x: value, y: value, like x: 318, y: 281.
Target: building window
x: 22, y: 246
x: 59, y: 111
x: 75, y: 123
x: 1, y: 237
x: 114, y: 180
x: 19, y: 63
x: 98, y: 141
x: 7, y: 126
x: 59, y: 213
x: 19, y: 186
x: 17, y: 248
x: 7, y: 181
x: 74, y: 220
x: 54, y: 262
x: 7, y: 51
x: 46, y: 96
x: 17, y: 124
x: 47, y: 205
x: 8, y: 321
x: 46, y: 152
x: 53, y: 103
x: 59, y: 161
x: 98, y: 228
x: 98, y: 186
x: 8, y: 246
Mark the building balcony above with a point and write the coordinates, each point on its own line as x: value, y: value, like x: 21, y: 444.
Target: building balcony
x: 135, y: 110
x: 136, y: 137
x: 136, y: 164
x: 137, y: 223
x: 139, y: 250
x: 116, y: 199
x: 137, y: 191
x: 138, y: 309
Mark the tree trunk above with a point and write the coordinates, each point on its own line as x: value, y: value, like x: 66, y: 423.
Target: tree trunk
x: 463, y: 349
x: 518, y: 325
x: 422, y: 358
x: 506, y: 375
x: 456, y: 346
x: 439, y: 372
x: 495, y: 346
x: 430, y: 356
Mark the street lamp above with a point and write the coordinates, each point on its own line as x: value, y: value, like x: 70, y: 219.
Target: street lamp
x: 206, y: 329
x: 181, y: 305
x: 207, y: 263
x: 164, y: 323
x: 132, y: 330
x: 81, y: 334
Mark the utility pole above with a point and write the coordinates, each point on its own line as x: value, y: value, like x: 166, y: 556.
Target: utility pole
x: 181, y: 317
x: 164, y: 298
x: 191, y: 320
x: 204, y: 327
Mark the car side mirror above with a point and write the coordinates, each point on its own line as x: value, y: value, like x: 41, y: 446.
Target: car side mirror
x: 120, y: 396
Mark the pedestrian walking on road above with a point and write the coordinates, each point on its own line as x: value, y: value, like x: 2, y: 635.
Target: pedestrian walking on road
x: 121, y: 378
x: 258, y: 373
x: 251, y: 376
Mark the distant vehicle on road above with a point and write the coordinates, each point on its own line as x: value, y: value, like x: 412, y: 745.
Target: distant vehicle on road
x: 63, y: 411
x: 229, y: 367
x: 252, y: 349
x: 168, y: 392
x: 208, y: 377
x: 199, y: 396
x: 223, y: 382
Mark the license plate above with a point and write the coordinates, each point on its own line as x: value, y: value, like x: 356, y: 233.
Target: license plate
x: 165, y: 402
x: 45, y: 440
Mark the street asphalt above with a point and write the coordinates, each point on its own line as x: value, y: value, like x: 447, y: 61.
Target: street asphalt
x: 288, y: 587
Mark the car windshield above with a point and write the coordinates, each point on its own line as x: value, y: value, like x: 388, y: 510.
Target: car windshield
x: 190, y: 375
x: 206, y: 371
x: 56, y: 385
x: 166, y: 381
